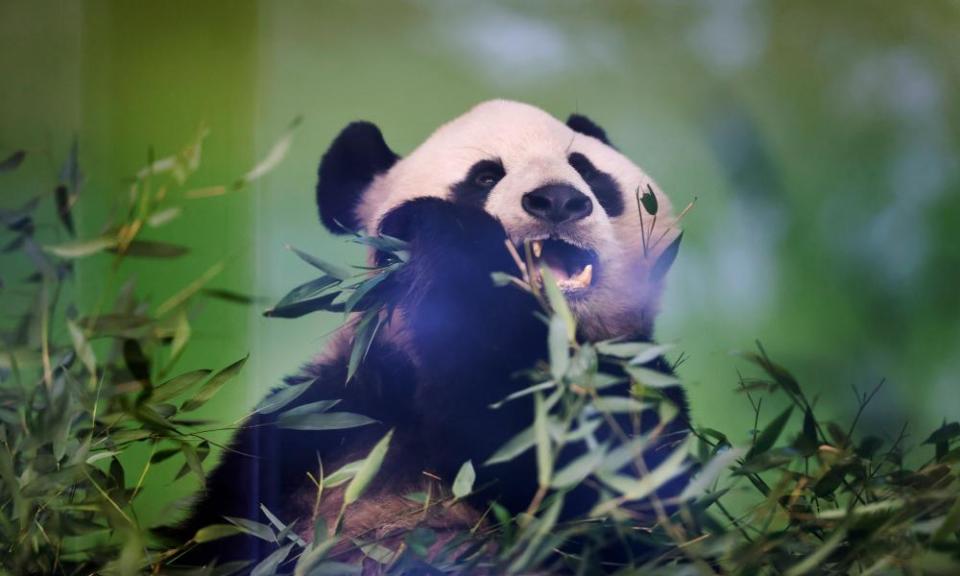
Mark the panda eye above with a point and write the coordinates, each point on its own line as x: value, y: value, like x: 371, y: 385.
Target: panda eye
x: 487, y: 179
x: 582, y: 165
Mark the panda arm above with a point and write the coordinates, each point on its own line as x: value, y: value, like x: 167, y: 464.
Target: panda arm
x: 458, y: 318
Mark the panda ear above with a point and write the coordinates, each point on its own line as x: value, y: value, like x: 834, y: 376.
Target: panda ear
x: 355, y: 157
x: 584, y: 125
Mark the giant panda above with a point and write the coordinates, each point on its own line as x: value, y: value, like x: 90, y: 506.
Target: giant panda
x: 502, y: 171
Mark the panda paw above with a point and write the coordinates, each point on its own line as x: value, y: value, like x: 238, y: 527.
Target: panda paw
x: 449, y: 233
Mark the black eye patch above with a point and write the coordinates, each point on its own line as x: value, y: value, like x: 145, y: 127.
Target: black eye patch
x: 603, y: 186
x: 479, y: 181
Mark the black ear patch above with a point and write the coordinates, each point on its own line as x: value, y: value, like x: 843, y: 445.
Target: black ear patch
x: 355, y: 157
x: 584, y: 125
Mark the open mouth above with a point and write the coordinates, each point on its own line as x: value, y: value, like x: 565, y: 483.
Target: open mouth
x: 575, y: 268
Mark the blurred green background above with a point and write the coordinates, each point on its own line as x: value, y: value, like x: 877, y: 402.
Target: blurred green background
x: 820, y: 138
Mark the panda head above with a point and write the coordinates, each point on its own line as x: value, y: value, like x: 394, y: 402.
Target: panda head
x: 563, y: 185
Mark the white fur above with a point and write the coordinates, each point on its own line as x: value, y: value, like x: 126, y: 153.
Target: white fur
x: 534, y: 147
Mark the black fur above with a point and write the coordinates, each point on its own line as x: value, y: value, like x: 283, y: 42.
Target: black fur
x: 355, y: 157
x: 603, y: 185
x: 586, y: 126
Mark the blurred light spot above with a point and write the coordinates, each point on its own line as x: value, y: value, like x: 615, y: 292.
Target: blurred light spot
x: 896, y: 240
x: 944, y: 402
x: 731, y: 35
x: 734, y: 277
x: 900, y: 82
x: 517, y: 49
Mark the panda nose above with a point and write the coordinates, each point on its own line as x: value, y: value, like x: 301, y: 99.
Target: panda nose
x: 557, y: 203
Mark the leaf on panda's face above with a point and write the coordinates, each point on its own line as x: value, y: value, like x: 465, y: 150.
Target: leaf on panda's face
x: 649, y: 201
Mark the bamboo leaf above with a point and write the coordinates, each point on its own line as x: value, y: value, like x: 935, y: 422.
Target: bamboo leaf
x: 215, y: 532
x: 542, y: 437
x: 559, y: 348
x: 632, y: 489
x: 82, y: 347
x: 367, y: 471
x: 278, y: 399
x: 525, y: 392
x: 304, y: 307
x: 333, y: 270
x: 151, y: 249
x: 306, y: 290
x: 342, y: 474
x: 268, y: 566
x: 273, y: 158
x: 178, y: 384
x: 618, y: 404
x: 191, y: 289
x: 624, y: 454
x: 649, y: 201
x: 711, y: 472
x: 766, y: 439
x: 327, y: 421
x: 638, y: 352
x: 362, y: 340
x: 558, y: 302
x: 463, y: 483
x: 577, y: 471
x: 651, y: 378
x: 285, y: 530
x: 193, y: 462
x: 213, y: 385
x: 513, y: 447
x: 13, y: 161
x: 164, y: 216
x: 366, y: 287
x: 261, y: 531
x: 82, y: 248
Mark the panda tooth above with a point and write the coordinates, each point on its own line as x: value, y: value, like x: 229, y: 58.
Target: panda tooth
x: 582, y: 280
x: 586, y: 277
x: 537, y: 248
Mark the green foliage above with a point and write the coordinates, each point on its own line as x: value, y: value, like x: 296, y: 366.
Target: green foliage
x: 80, y: 389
